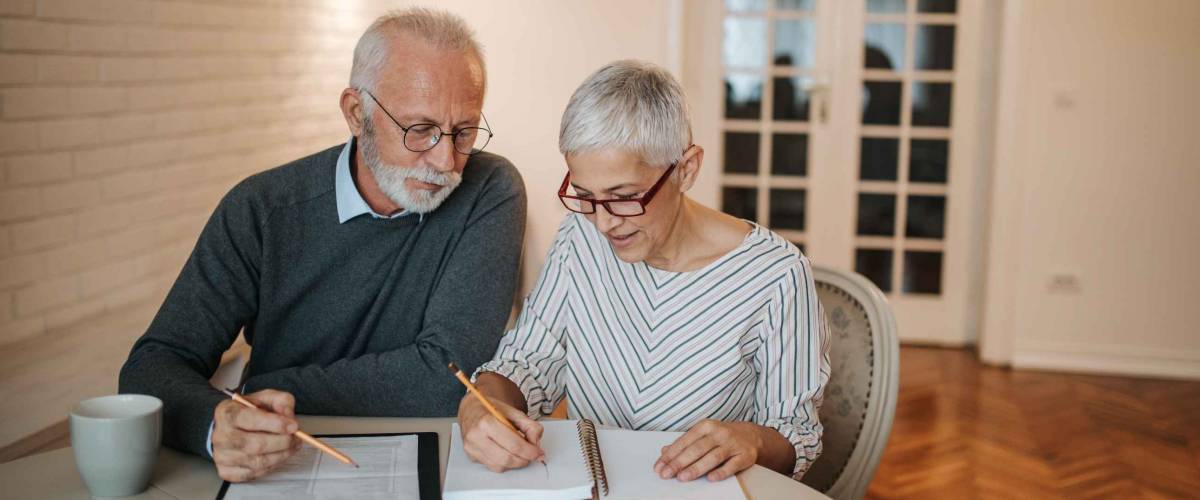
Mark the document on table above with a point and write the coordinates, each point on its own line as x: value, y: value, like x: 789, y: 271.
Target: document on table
x: 388, y: 468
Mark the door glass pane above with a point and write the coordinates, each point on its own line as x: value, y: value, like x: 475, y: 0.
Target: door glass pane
x: 794, y: 42
x: 745, y: 5
x: 743, y: 96
x: 794, y: 4
x: 745, y: 42
x: 923, y: 272
x: 881, y: 103
x: 741, y: 152
x: 740, y: 202
x: 791, y: 101
x: 879, y: 159
x: 884, y: 43
x: 876, y: 265
x: 934, y: 47
x: 876, y: 214
x: 927, y: 160
x: 787, y: 209
x: 789, y: 154
x: 931, y: 104
x: 885, y: 6
x: 926, y: 217
x: 937, y: 6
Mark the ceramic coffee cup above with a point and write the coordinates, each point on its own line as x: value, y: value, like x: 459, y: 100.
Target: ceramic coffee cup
x: 116, y: 440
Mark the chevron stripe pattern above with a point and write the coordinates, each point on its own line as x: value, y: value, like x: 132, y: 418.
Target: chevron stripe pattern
x: 967, y: 430
x: 742, y: 339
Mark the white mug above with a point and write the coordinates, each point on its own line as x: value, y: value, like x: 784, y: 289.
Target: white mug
x: 116, y: 440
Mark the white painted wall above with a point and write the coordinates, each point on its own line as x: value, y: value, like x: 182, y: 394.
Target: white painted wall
x: 1097, y: 176
x: 537, y: 52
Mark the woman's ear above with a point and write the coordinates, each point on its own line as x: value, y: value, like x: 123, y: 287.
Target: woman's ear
x: 689, y: 167
x: 352, y: 110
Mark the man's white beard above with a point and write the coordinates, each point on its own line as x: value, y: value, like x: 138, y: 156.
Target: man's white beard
x: 390, y: 178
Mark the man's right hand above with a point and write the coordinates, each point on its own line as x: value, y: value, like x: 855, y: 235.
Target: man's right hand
x: 489, y: 442
x: 248, y: 442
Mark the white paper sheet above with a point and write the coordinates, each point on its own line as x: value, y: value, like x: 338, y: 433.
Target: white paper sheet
x: 388, y: 468
x: 628, y: 456
x: 564, y: 475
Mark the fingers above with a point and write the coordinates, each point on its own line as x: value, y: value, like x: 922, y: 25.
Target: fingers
x: 705, y: 464
x: 532, y: 429
x: 279, y: 402
x: 255, y: 443
x: 236, y: 465
x: 685, y: 458
x: 669, y: 464
x: 492, y: 444
x: 511, y: 441
x: 254, y: 419
x: 731, y: 467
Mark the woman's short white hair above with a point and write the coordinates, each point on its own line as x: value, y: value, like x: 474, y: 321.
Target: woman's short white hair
x: 630, y: 106
x: 439, y: 29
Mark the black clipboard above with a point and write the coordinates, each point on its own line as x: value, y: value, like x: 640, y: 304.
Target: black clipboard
x: 428, y: 468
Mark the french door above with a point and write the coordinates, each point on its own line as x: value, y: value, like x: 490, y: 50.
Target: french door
x: 851, y: 128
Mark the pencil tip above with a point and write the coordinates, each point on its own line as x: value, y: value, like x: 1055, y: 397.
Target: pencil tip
x: 453, y: 367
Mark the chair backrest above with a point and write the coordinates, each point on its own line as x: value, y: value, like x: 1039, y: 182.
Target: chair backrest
x: 860, y: 399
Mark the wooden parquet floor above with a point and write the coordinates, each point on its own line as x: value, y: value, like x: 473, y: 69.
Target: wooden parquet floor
x: 967, y: 430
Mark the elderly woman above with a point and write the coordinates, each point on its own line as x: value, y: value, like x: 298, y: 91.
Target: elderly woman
x: 654, y: 312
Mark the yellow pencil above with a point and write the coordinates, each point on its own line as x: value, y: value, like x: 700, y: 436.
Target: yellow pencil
x: 462, y: 377
x: 304, y: 436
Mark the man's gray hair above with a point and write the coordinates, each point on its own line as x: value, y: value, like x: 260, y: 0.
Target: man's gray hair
x: 631, y: 106
x: 438, y: 28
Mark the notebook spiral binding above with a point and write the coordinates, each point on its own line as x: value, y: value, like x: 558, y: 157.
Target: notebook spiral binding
x: 591, y: 454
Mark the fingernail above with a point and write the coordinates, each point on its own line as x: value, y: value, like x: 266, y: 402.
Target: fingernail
x: 291, y: 428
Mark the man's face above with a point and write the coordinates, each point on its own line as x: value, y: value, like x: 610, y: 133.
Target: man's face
x: 420, y: 84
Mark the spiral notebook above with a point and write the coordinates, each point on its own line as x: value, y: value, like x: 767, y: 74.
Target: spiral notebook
x: 582, y: 461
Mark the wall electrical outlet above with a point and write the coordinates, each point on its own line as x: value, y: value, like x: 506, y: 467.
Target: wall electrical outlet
x: 1064, y: 283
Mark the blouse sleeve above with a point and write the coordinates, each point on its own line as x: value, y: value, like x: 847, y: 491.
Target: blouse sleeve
x: 532, y: 355
x: 793, y: 366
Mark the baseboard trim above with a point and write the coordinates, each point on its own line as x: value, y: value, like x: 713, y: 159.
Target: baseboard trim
x: 57, y: 435
x: 1107, y: 360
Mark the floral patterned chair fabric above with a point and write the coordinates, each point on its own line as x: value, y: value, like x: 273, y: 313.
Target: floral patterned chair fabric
x: 860, y: 398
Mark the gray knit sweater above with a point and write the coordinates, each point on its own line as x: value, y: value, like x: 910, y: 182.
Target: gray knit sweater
x: 357, y: 318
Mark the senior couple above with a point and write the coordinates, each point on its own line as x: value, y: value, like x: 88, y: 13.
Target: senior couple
x: 359, y: 272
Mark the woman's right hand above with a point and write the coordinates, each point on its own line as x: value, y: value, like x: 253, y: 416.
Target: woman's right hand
x: 491, y: 443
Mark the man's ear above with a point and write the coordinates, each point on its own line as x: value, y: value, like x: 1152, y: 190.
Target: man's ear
x: 689, y: 169
x: 352, y: 110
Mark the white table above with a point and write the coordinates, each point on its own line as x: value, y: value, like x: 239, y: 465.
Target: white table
x: 52, y: 475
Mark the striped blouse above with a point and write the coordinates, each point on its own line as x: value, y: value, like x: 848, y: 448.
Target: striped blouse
x: 742, y: 339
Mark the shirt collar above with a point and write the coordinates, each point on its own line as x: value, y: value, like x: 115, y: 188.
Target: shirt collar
x: 350, y: 203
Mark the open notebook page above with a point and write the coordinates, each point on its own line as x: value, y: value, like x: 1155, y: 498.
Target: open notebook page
x: 563, y: 477
x: 629, y: 458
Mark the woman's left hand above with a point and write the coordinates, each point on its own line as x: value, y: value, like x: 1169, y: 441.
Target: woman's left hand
x: 710, y: 448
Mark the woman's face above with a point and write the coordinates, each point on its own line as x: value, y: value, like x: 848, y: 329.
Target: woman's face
x: 612, y: 174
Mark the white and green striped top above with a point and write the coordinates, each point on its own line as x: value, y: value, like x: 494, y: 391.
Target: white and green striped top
x: 742, y: 339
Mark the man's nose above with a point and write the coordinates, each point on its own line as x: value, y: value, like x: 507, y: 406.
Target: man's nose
x: 442, y: 156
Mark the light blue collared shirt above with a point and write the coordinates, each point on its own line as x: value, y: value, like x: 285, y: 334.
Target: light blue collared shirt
x: 350, y: 203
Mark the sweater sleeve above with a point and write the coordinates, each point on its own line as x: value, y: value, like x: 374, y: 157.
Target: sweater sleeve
x: 793, y: 367
x: 467, y: 309
x: 213, y: 297
x: 533, y: 354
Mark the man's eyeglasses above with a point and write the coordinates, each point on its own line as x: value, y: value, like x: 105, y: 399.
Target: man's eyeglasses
x: 616, y: 206
x: 421, y: 137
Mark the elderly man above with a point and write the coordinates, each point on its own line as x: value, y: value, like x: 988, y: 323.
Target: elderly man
x: 356, y: 273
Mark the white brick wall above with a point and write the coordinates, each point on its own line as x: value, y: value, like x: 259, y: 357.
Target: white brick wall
x: 123, y: 122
